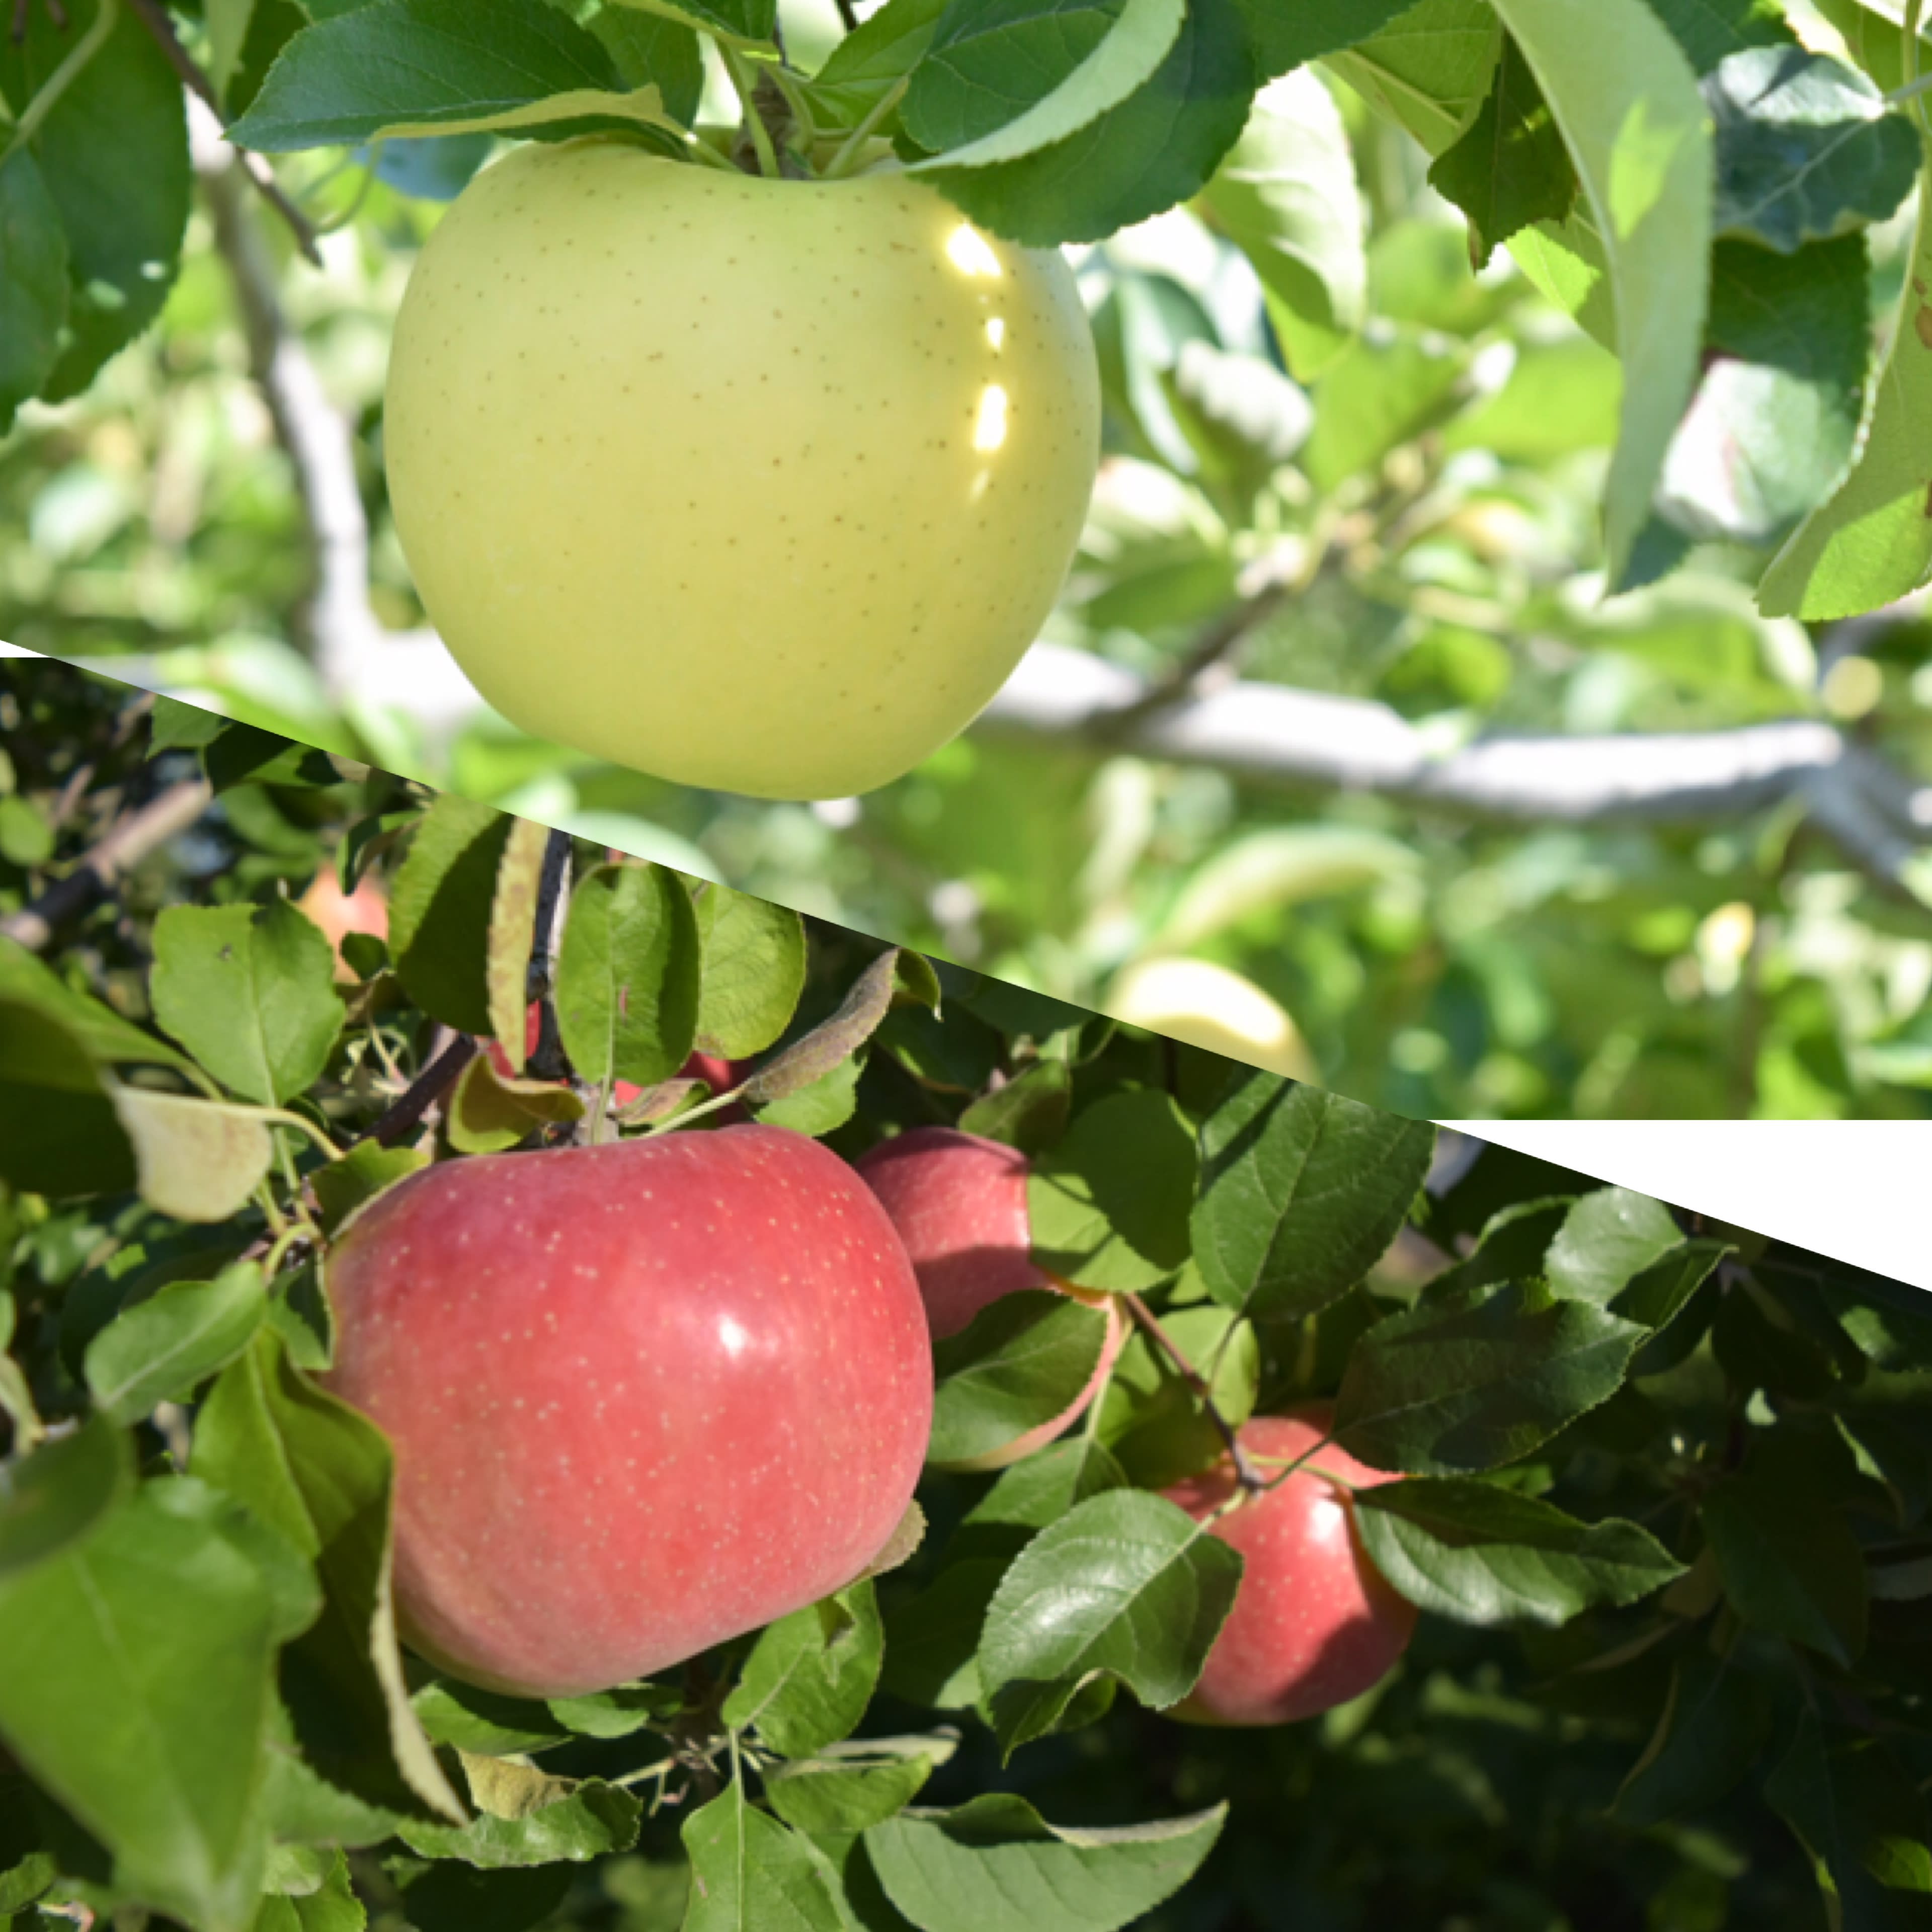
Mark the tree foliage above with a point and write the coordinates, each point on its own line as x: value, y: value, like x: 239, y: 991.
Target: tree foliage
x: 1663, y: 1491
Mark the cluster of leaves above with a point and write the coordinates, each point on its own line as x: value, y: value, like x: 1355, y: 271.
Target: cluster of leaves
x: 1663, y: 1500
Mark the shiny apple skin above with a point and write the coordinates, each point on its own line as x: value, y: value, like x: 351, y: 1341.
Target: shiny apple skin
x: 644, y: 1397
x: 959, y: 1203
x: 1315, y: 1624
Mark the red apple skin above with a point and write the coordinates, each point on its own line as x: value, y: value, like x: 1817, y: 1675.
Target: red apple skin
x: 1314, y: 1623
x: 959, y: 1202
x: 339, y: 914
x: 644, y: 1397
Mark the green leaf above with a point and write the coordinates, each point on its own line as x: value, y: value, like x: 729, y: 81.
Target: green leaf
x: 751, y: 1873
x: 1806, y: 147
x: 1287, y: 37
x: 753, y: 971
x: 440, y: 907
x: 811, y: 1674
x: 995, y: 1865
x: 485, y: 1723
x: 1773, y: 425
x: 426, y: 67
x: 195, y: 1160
x: 26, y: 839
x: 868, y: 63
x: 821, y: 1795
x: 749, y: 23
x: 60, y: 1492
x: 809, y: 1059
x: 1028, y: 1112
x: 628, y: 974
x: 1377, y: 394
x: 1870, y: 543
x: 1429, y: 69
x: 113, y: 156
x: 1153, y: 1423
x: 33, y: 282
x: 1477, y: 1379
x: 59, y: 1134
x: 137, y: 1693
x: 1126, y: 1584
x: 1003, y: 79
x: 524, y: 1816
x: 364, y: 1171
x: 311, y: 1467
x: 933, y: 1640
x: 1286, y: 196
x: 244, y: 755
x: 1022, y: 1360
x: 249, y: 991
x: 1044, y: 1487
x: 1708, y: 30
x: 1791, y: 1564
x: 1301, y: 1192
x: 827, y: 1105
x: 651, y: 51
x: 1509, y: 169
x: 1635, y: 127
x: 1109, y: 1205
x: 1712, y: 1730
x: 325, y: 1903
x: 488, y: 1113
x: 1607, y: 1238
x: 1861, y: 1822
x: 617, y: 1712
x: 161, y: 1348
x: 513, y: 925
x: 1484, y: 1555
x: 98, y: 1028
x: 1155, y: 148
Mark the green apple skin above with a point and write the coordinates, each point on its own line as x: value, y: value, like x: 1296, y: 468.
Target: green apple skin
x: 763, y: 486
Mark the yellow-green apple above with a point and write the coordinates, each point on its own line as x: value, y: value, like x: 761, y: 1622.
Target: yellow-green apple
x: 959, y: 1203
x: 340, y: 913
x: 644, y: 1397
x: 1314, y: 1623
x: 1212, y: 1007
x: 670, y: 445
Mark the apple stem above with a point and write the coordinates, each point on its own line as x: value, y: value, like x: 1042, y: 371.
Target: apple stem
x: 1246, y: 1475
x: 754, y: 122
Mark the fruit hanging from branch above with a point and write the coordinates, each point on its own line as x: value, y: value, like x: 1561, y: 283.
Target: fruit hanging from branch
x: 644, y: 1397
x: 801, y: 464
x: 959, y: 1203
x: 1314, y: 1623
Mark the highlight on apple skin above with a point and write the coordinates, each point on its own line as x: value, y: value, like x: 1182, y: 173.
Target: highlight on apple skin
x: 667, y: 442
x: 644, y: 1397
x: 1315, y: 1624
x: 959, y: 1203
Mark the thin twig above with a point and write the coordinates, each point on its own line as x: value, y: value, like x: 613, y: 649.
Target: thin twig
x: 424, y: 1091
x: 547, y: 1060
x: 848, y: 15
x: 123, y: 846
x: 153, y: 16
x: 1246, y: 1474
x: 1215, y: 641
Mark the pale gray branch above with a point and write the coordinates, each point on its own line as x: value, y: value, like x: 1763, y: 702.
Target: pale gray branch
x: 341, y: 627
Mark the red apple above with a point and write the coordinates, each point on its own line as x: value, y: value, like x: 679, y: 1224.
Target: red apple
x: 340, y: 913
x: 644, y: 1397
x: 959, y: 1203
x: 1314, y: 1623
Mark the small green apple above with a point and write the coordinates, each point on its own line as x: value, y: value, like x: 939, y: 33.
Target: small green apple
x: 760, y: 485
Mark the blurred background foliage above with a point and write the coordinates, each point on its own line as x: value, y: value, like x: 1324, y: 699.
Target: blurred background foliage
x: 1430, y: 498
